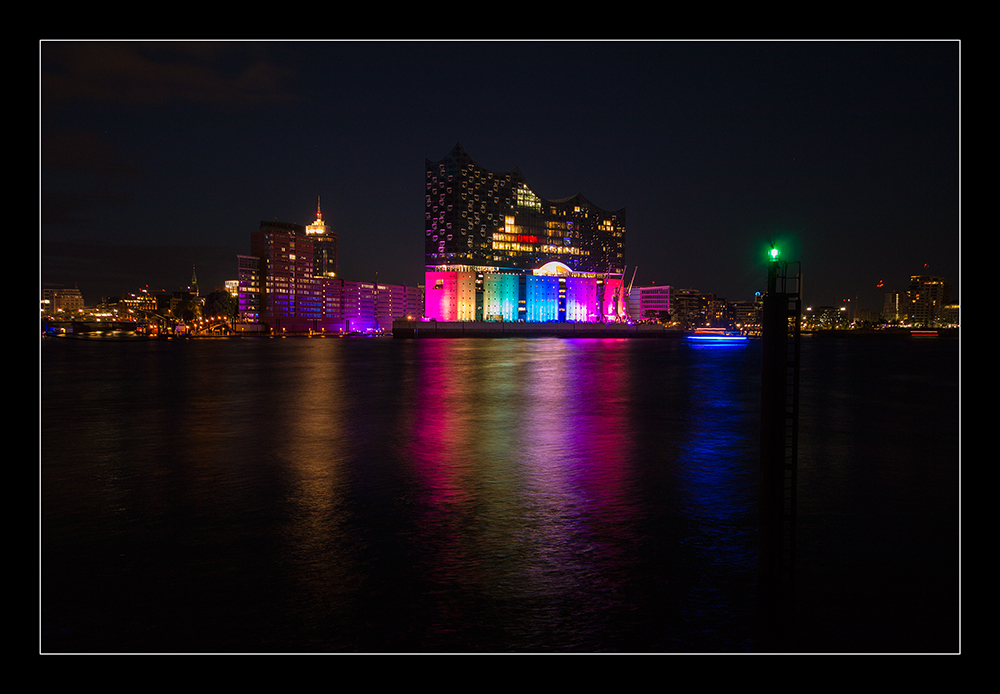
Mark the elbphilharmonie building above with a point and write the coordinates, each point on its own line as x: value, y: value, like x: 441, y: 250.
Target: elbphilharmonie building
x: 495, y: 250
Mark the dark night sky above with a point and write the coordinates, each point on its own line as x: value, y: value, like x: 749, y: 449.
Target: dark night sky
x: 159, y: 156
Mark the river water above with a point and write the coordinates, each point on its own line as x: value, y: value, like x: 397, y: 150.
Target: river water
x: 378, y: 495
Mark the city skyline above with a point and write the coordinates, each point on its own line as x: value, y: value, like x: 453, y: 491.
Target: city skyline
x: 156, y: 157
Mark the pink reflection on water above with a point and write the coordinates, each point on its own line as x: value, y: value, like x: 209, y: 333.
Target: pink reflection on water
x: 522, y: 452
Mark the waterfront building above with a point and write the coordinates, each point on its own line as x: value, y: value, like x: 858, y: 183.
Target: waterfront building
x: 950, y: 315
x: 140, y: 303
x: 484, y: 230
x: 923, y: 305
x: 542, y: 298
x: 372, y: 306
x: 451, y: 295
x: 895, y: 309
x: 501, y: 296
x: 927, y: 296
x: 649, y: 303
x: 249, y: 288
x: 395, y: 301
x: 826, y: 318
x: 62, y: 302
x: 696, y: 309
x: 689, y: 308
x: 864, y: 317
x: 746, y: 316
x: 581, y: 300
x: 359, y: 306
x: 282, y: 285
x: 290, y: 296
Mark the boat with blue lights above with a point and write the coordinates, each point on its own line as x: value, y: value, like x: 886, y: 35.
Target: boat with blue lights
x: 715, y: 335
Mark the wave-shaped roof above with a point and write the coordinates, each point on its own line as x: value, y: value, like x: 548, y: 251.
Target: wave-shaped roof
x: 458, y: 156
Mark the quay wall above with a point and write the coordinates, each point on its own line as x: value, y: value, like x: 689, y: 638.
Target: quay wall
x: 450, y: 329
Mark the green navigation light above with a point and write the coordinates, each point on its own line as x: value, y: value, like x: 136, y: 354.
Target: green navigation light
x: 774, y: 254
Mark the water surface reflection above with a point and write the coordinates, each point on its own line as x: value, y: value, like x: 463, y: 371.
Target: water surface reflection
x: 401, y: 495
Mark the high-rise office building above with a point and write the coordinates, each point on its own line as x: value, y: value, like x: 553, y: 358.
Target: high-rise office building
x: 249, y: 288
x: 324, y: 242
x: 290, y: 293
x: 896, y: 308
x: 481, y: 225
x: 928, y: 296
x: 283, y: 286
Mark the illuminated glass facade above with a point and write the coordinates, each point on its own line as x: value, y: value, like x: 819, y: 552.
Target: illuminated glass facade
x: 481, y: 218
x: 494, y: 231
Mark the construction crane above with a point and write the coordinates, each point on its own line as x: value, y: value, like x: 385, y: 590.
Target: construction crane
x: 628, y: 293
x: 600, y: 295
x: 616, y: 296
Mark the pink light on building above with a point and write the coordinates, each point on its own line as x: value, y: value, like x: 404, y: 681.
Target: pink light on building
x: 450, y: 296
